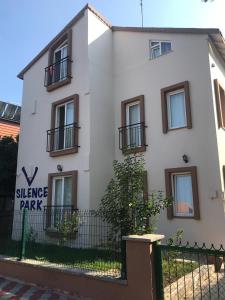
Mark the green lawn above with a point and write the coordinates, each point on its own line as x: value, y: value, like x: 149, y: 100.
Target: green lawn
x: 93, y: 259
x: 173, y: 269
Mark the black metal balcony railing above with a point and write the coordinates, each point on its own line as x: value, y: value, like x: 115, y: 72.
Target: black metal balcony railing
x: 61, y: 138
x: 132, y: 136
x: 58, y: 71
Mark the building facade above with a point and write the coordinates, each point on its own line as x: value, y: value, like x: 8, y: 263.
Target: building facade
x: 96, y: 90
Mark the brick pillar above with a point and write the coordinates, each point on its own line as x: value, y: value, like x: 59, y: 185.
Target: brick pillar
x: 140, y: 266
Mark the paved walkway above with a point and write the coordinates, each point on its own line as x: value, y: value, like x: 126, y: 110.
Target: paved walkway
x: 13, y: 290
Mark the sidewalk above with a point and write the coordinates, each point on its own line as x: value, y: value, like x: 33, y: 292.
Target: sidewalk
x: 11, y: 289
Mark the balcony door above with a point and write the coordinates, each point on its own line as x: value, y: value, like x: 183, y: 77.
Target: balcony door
x: 65, y: 126
x: 133, y: 119
x: 60, y: 62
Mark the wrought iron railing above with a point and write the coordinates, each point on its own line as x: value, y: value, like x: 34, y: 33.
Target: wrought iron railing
x: 189, y: 272
x: 58, y: 71
x: 81, y: 240
x: 132, y: 136
x: 63, y: 137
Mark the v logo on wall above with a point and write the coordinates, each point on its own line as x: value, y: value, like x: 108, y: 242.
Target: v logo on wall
x: 29, y: 179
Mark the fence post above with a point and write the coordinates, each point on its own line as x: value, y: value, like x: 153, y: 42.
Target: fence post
x: 24, y: 235
x: 123, y: 260
x: 158, y: 271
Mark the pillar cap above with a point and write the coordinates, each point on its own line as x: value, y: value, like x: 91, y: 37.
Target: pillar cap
x: 145, y: 238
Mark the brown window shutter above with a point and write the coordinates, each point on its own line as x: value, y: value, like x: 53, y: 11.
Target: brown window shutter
x: 49, y: 202
x: 74, y: 189
x: 218, y: 103
x: 195, y: 193
x: 169, y: 193
x: 188, y: 104
x: 164, y: 111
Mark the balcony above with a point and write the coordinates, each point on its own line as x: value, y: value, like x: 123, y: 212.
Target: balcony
x: 132, y: 138
x: 63, y: 140
x: 58, y: 74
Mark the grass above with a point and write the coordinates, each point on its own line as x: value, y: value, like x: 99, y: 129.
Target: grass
x: 91, y: 259
x: 173, y: 269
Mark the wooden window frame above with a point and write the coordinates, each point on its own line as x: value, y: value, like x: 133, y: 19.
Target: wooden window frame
x: 176, y: 87
x: 75, y: 99
x: 142, y: 120
x: 66, y: 36
x: 51, y: 176
x: 217, y: 88
x: 169, y: 191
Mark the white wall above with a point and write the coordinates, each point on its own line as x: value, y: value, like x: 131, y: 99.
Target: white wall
x: 135, y: 74
x: 101, y: 106
x: 32, y: 144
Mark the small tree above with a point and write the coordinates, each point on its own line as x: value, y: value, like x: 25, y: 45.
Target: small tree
x: 124, y: 206
x: 8, y: 162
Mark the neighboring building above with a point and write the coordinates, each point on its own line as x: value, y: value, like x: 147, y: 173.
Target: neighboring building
x: 163, y: 88
x: 9, y: 119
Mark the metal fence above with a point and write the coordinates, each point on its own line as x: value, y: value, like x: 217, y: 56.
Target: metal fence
x: 189, y: 272
x: 66, y: 239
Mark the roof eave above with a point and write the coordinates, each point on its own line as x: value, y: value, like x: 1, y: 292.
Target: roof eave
x: 67, y: 27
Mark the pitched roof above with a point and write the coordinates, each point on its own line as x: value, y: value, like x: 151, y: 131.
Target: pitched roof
x: 214, y: 34
x: 68, y: 26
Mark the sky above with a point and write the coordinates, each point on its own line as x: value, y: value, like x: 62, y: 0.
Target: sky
x: 26, y: 26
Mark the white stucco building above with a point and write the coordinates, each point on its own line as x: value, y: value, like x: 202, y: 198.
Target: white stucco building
x: 164, y: 89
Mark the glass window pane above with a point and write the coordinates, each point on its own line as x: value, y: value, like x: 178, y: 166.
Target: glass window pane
x: 133, y: 132
x: 176, y: 110
x: 2, y: 107
x: 154, y: 44
x: 155, y: 52
x: 67, y: 191
x: 183, y: 195
x: 165, y: 47
x: 69, y: 113
x: 133, y: 114
x: 58, y: 192
x: 69, y: 129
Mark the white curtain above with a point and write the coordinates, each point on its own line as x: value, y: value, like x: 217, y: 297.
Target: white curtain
x: 58, y: 191
x: 176, y: 110
x: 64, y: 54
x: 134, y: 132
x: 67, y: 191
x: 69, y: 129
x: 183, y: 195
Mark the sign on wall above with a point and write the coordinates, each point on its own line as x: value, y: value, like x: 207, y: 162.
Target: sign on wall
x: 30, y: 197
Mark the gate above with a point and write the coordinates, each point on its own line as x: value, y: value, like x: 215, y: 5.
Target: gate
x: 189, y: 272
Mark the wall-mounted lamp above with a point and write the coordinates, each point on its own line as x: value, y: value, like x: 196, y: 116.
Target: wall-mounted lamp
x: 185, y: 158
x: 59, y: 168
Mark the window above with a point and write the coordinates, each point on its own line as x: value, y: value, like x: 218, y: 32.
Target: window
x: 220, y: 103
x: 181, y: 184
x: 62, y: 197
x: 62, y: 138
x: 176, y: 108
x: 60, y: 62
x: 158, y: 48
x: 58, y: 71
x: 132, y: 132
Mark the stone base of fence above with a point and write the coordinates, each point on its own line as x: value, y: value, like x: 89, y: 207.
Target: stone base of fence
x: 140, y: 274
